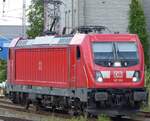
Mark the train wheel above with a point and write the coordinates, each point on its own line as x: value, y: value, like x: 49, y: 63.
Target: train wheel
x: 27, y: 105
x: 14, y: 97
x: 72, y: 112
x: 86, y: 113
x: 36, y: 108
x: 23, y: 99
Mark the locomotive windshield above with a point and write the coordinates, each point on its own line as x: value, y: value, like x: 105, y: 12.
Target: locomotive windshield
x: 108, y: 53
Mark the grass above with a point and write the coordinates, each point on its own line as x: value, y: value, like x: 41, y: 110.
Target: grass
x: 145, y: 109
x: 81, y: 118
x: 54, y: 118
x: 147, y: 84
x: 103, y: 118
x: 63, y: 119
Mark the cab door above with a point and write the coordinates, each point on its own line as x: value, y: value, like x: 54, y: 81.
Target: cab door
x: 72, y: 55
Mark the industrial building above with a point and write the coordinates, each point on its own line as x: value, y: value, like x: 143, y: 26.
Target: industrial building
x: 110, y: 13
x: 11, y: 31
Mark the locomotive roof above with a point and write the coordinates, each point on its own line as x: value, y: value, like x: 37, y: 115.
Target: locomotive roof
x: 68, y: 40
x: 79, y: 38
x: 45, y: 40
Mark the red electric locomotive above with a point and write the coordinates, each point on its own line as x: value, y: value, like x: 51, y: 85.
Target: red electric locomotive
x: 94, y: 73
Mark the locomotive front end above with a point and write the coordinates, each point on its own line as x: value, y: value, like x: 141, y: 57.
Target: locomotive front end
x: 118, y: 77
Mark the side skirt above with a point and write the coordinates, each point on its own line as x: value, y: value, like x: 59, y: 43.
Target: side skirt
x: 80, y: 93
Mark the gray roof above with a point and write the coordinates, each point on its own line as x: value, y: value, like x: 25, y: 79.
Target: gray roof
x: 10, y: 31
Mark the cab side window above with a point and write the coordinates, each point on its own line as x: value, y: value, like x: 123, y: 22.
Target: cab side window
x: 78, y: 53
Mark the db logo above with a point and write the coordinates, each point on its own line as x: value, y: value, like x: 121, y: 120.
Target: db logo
x: 118, y: 74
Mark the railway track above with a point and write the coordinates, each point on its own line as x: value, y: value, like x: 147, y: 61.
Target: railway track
x: 14, y: 111
x: 141, y: 116
x: 11, y: 119
x: 145, y: 114
x: 8, y: 109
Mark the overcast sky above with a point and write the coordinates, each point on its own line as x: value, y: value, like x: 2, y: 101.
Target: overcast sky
x: 13, y: 12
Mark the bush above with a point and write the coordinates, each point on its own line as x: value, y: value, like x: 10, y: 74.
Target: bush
x: 3, y: 70
x: 147, y: 78
x: 137, y: 25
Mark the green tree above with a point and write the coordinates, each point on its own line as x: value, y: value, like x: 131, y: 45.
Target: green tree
x: 137, y: 25
x: 35, y: 18
x: 3, y: 70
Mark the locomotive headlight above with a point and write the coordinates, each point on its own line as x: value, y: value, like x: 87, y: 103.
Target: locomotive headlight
x: 99, y: 77
x: 136, y: 76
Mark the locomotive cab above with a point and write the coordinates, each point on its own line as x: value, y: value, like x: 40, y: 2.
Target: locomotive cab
x: 116, y: 63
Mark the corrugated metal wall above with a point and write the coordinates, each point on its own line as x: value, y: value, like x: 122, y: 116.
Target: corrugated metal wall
x: 11, y: 31
x: 42, y: 66
x: 146, y: 6
x: 110, y: 13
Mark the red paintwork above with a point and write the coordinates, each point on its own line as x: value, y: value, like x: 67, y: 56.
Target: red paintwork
x: 91, y: 67
x: 57, y: 66
x: 49, y: 66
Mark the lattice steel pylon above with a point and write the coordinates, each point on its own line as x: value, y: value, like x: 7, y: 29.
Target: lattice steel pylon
x: 52, y: 15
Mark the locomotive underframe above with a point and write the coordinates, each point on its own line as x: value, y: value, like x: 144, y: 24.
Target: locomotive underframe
x: 116, y: 101
x: 93, y: 101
